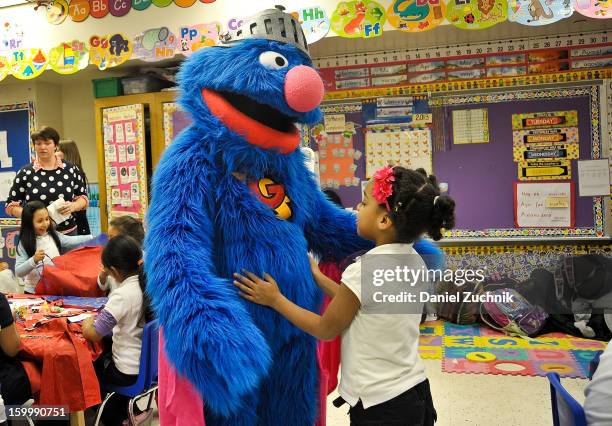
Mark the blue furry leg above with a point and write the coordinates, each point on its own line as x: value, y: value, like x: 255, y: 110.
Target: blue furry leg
x: 290, y: 394
x: 246, y: 415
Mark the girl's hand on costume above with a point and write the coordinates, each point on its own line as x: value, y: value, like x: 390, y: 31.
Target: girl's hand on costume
x: 39, y: 255
x: 261, y: 291
x: 314, y: 267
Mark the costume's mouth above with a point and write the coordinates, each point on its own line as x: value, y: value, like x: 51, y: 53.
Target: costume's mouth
x: 259, y: 124
x: 262, y: 113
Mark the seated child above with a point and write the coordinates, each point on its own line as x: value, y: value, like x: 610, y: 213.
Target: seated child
x: 15, y: 385
x: 39, y: 243
x: 124, y: 316
x: 122, y: 225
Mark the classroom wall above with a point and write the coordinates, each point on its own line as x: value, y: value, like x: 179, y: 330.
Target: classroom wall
x: 48, y: 102
x: 77, y: 108
x: 19, y: 91
x: 46, y: 97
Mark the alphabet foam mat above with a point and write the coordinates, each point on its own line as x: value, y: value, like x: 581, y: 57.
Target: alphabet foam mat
x: 481, y: 350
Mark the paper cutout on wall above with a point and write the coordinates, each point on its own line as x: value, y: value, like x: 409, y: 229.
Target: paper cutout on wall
x: 195, y: 37
x: 539, y: 12
x: 4, y: 67
x: 161, y: 3
x: 119, y: 8
x: 314, y: 22
x: 476, y: 14
x: 601, y: 9
x: 98, y: 8
x: 544, y: 120
x: 140, y: 4
x: 184, y: 3
x: 355, y: 19
x: 26, y: 64
x: 11, y: 36
x: 155, y: 44
x: 416, y: 15
x: 109, y: 51
x: 57, y: 12
x: 68, y: 58
x: 79, y: 10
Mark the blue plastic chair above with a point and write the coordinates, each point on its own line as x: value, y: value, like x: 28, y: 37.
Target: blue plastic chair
x: 146, y: 383
x: 566, y: 410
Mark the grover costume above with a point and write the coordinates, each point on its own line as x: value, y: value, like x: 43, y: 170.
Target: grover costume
x: 232, y: 192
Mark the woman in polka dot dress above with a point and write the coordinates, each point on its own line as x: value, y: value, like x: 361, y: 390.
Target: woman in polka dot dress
x: 48, y: 179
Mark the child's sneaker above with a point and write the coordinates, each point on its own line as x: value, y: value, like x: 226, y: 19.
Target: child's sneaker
x: 431, y: 317
x: 141, y: 419
x: 584, y: 329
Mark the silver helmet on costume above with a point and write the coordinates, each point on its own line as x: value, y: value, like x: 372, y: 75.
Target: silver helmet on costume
x: 269, y: 24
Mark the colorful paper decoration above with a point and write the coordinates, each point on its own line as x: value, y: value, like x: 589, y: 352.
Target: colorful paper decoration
x: 98, y: 8
x: 79, y: 10
x: 355, y: 19
x: 314, y: 21
x: 4, y: 67
x: 476, y: 14
x: 601, y: 9
x: 161, y: 3
x: 155, y: 44
x: 539, y: 12
x: 416, y: 15
x: 195, y: 37
x: 119, y: 8
x: 57, y: 12
x: 184, y: 3
x: 68, y: 58
x: 109, y: 51
x: 26, y: 64
x: 140, y: 4
x: 11, y: 36
x: 545, y: 120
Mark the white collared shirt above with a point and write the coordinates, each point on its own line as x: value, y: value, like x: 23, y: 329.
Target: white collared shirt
x: 380, y: 352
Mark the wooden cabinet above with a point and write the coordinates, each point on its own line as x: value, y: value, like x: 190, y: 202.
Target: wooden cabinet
x: 131, y: 137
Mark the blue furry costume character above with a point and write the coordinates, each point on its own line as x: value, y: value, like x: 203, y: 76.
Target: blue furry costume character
x: 232, y: 192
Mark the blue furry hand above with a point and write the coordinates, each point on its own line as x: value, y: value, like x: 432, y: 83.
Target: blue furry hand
x: 220, y: 351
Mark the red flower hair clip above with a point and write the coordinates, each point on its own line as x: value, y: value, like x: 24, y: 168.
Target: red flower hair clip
x: 382, y: 187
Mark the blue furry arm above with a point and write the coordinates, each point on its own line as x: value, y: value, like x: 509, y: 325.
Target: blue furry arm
x: 210, y: 337
x: 432, y: 255
x: 332, y: 231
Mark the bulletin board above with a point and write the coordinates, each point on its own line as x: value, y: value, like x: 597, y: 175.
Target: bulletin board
x: 125, y: 160
x: 174, y: 121
x: 341, y: 174
x: 482, y: 177
x: 17, y: 122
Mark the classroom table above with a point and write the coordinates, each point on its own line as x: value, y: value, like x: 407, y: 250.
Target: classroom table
x: 61, y: 371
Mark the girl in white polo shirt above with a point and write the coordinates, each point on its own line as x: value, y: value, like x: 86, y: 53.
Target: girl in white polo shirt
x: 124, y: 315
x: 383, y: 378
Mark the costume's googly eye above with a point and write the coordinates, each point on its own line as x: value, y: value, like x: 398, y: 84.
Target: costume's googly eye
x: 273, y: 60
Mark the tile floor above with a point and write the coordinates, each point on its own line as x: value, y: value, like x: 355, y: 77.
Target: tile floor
x: 481, y: 400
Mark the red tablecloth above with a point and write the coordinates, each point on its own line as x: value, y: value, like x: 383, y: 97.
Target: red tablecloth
x: 59, y: 363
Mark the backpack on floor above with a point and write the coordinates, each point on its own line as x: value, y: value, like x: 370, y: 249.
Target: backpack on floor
x: 460, y: 312
x: 516, y: 317
x: 582, y: 277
